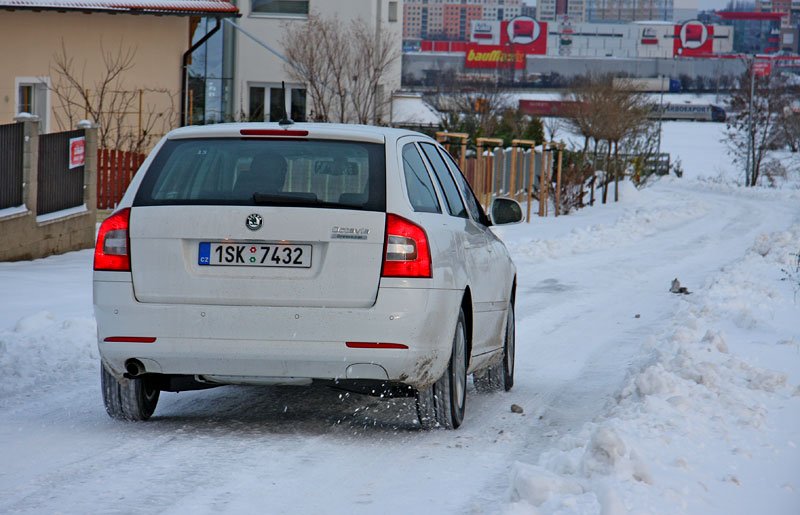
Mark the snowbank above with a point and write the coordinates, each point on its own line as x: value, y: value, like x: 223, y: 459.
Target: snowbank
x: 703, y: 425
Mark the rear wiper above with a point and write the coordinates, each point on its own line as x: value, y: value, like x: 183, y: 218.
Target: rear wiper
x: 291, y: 199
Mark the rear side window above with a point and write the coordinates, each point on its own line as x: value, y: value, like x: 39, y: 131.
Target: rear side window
x: 229, y: 171
x: 474, y: 207
x: 454, y: 204
x: 418, y: 182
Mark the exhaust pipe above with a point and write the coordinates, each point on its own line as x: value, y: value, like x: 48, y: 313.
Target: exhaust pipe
x: 134, y: 368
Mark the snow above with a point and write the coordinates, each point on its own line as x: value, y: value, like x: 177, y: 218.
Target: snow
x: 636, y: 400
x: 409, y: 108
x: 63, y: 213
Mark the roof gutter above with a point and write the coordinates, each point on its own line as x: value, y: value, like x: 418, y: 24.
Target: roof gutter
x: 185, y: 71
x: 126, y: 10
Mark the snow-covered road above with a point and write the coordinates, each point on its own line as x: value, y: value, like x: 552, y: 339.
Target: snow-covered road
x: 593, y: 304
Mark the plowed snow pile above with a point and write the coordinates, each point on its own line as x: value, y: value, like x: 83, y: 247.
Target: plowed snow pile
x: 709, y: 424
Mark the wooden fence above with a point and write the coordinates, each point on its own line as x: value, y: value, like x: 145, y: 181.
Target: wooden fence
x: 115, y: 169
x: 515, y: 172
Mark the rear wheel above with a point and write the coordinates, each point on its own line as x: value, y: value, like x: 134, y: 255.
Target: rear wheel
x: 128, y: 399
x: 443, y: 404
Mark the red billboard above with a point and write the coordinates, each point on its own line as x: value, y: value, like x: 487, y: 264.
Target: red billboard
x: 525, y: 35
x: 693, y: 39
x: 518, y: 37
x: 762, y: 68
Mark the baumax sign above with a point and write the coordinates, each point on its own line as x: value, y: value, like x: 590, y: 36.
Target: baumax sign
x: 493, y: 56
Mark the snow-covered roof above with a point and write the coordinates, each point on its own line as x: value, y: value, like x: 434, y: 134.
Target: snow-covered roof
x: 409, y: 108
x: 179, y: 7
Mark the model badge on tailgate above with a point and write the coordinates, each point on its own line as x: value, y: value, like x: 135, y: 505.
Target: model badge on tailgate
x: 349, y: 233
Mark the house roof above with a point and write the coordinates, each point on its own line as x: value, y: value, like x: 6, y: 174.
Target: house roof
x: 158, y: 7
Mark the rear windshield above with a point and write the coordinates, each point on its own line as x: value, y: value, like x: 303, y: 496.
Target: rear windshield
x: 227, y: 171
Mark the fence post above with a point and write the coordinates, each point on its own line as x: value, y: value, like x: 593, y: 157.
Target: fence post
x: 531, y: 171
x: 30, y: 160
x: 489, y: 178
x: 444, y: 138
x: 544, y: 179
x: 479, y: 170
x: 89, y: 166
x: 512, y: 180
x: 560, y: 148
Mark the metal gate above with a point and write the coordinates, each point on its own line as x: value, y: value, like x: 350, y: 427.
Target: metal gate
x: 11, y: 149
x: 59, y: 186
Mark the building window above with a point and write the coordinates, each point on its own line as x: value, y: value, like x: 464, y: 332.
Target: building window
x: 32, y: 98
x: 256, y: 105
x: 392, y: 11
x: 298, y: 105
x: 262, y: 97
x: 209, y: 98
x: 25, y: 99
x: 291, y: 7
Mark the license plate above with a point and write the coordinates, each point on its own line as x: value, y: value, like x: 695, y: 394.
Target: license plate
x: 254, y: 254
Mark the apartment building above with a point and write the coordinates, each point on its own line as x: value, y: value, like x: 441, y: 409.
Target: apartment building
x: 603, y: 11
x: 557, y: 10
x: 451, y: 20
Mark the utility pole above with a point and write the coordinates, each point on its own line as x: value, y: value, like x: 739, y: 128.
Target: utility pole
x: 660, y: 113
x: 750, y: 161
x: 377, y: 91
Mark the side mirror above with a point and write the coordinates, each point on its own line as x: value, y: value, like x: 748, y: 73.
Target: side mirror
x: 506, y: 211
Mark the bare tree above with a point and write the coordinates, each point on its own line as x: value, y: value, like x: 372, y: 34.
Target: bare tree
x: 628, y: 111
x: 342, y: 66
x: 552, y: 126
x: 374, y: 54
x: 125, y: 121
x: 750, y: 131
x: 608, y: 116
x: 304, y: 46
x: 471, y: 106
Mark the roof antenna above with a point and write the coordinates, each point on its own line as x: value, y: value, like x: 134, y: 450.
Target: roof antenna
x: 285, y: 121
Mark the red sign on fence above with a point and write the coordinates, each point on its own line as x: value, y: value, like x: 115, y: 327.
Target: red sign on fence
x: 77, y: 152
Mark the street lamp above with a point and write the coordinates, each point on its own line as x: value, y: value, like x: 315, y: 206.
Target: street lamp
x: 660, y: 117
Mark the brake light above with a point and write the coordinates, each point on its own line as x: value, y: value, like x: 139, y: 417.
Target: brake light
x: 273, y: 132
x: 405, y: 252
x: 113, y: 243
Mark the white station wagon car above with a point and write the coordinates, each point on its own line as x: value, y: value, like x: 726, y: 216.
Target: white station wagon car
x: 264, y: 254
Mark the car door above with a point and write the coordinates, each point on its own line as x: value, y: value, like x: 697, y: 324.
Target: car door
x: 495, y: 271
x: 478, y: 253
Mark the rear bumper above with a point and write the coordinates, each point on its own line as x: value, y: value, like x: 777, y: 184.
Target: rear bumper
x: 271, y: 343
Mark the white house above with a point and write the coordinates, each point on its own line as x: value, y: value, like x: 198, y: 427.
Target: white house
x: 258, y: 53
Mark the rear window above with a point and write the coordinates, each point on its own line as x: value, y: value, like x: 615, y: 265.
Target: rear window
x: 228, y: 171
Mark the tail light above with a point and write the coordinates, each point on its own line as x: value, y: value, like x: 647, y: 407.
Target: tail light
x: 113, y: 243
x: 406, y: 252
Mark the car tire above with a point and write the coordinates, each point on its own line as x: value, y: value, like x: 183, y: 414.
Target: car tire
x: 443, y: 404
x: 509, y: 349
x: 128, y: 399
x: 501, y: 373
